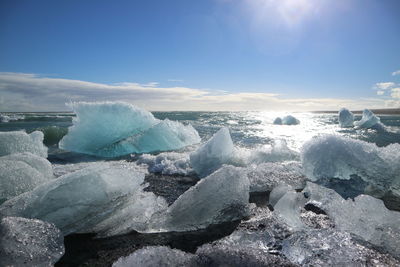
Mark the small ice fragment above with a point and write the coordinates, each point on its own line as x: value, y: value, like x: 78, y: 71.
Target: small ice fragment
x: 29, y: 242
x: 346, y: 118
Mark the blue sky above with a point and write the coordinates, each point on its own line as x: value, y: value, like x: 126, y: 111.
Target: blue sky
x: 208, y: 55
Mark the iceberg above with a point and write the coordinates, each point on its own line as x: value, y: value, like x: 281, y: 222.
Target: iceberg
x: 278, y: 121
x: 346, y: 118
x: 26, y: 242
x: 366, y: 216
x: 22, y: 172
x: 112, y: 129
x: 220, y: 197
x: 78, y: 201
x: 213, y: 154
x: 333, y: 156
x: 290, y: 120
x: 19, y: 141
x: 369, y: 120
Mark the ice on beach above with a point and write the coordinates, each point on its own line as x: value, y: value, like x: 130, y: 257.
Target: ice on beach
x: 167, y: 163
x: 369, y: 120
x: 326, y: 247
x: 277, y: 193
x: 333, y: 156
x: 213, y: 154
x: 28, y: 242
x: 266, y: 176
x: 22, y: 172
x: 156, y: 256
x: 289, y: 206
x: 365, y: 216
x: 346, y: 118
x: 20, y: 141
x: 220, y: 197
x: 78, y: 201
x: 112, y: 129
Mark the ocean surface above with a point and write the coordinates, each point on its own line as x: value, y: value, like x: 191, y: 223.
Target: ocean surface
x: 248, y: 129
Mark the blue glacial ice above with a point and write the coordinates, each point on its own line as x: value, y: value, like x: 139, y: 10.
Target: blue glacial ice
x: 333, y: 156
x: 111, y: 129
x: 346, y: 118
x: 19, y: 141
x: 278, y: 121
x: 29, y: 242
x: 369, y: 120
x: 287, y: 120
x: 22, y: 172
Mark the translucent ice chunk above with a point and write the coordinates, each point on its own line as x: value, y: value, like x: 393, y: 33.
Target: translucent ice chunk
x: 346, y: 118
x: 220, y: 197
x: 278, y: 121
x: 277, y: 193
x: 76, y: 202
x: 368, y: 120
x: 112, y: 129
x: 26, y: 242
x: 290, y: 120
x: 17, y: 142
x: 156, y: 256
x: 266, y: 176
x: 332, y: 156
x: 22, y: 172
x: 366, y: 216
x: 169, y: 163
x: 212, y: 154
x: 288, y: 207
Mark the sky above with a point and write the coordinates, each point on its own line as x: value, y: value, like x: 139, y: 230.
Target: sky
x: 294, y: 55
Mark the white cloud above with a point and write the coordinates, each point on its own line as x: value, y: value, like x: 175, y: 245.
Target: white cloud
x: 397, y: 72
x: 385, y: 85
x: 31, y: 92
x: 380, y: 92
x: 175, y: 80
x: 395, y: 92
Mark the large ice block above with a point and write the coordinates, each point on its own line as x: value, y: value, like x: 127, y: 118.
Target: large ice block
x: 220, y: 197
x: 112, y: 129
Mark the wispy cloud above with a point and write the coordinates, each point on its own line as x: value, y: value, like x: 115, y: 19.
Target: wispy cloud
x: 397, y: 72
x: 31, y: 92
x: 379, y: 92
x: 396, y: 93
x: 384, y: 85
